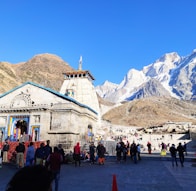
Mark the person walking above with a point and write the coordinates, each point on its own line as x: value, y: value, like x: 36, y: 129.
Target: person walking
x: 131, y: 150
x: 30, y: 155
x: 47, y: 148
x: 40, y: 155
x: 47, y: 152
x: 173, y: 151
x: 138, y: 151
x: 149, y: 147
x: 92, y: 153
x: 6, y: 148
x: 128, y: 145
x: 118, y: 152
x: 20, y: 149
x: 134, y: 152
x: 55, y: 160
x: 180, y: 150
x: 125, y: 151
x: 61, y: 151
x: 185, y: 148
x: 101, y: 153
x: 77, y: 154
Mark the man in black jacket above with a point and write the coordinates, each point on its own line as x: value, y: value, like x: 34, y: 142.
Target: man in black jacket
x: 173, y: 151
x: 180, y: 150
x: 6, y: 148
x: 47, y: 152
x: 20, y: 149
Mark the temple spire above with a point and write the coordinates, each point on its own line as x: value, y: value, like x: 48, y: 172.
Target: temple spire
x: 80, y: 63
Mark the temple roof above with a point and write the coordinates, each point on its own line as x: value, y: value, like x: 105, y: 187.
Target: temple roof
x: 78, y: 72
x: 51, y: 91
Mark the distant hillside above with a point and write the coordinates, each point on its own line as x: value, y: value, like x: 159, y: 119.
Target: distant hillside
x: 43, y: 69
x: 151, y: 112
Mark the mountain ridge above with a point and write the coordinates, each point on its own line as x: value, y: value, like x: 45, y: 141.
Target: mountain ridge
x: 44, y: 69
x: 176, y: 74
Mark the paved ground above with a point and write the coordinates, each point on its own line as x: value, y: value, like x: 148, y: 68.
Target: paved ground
x: 150, y: 174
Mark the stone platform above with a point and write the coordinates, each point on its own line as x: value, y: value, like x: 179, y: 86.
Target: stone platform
x: 152, y: 173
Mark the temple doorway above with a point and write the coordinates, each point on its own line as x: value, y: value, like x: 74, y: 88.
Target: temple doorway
x: 90, y: 133
x: 22, y: 125
x: 2, y: 133
x: 18, y: 126
x: 35, y: 133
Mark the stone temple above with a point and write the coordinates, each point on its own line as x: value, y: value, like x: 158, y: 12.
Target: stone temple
x: 31, y: 112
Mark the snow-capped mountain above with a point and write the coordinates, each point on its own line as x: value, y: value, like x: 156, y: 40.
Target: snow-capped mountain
x: 150, y: 88
x: 106, y: 88
x: 170, y: 75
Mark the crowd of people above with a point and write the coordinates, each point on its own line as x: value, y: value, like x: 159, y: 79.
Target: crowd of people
x: 122, y: 150
x: 92, y: 154
x: 181, y: 149
x: 134, y: 150
x: 49, y: 161
x: 95, y: 154
x: 42, y: 159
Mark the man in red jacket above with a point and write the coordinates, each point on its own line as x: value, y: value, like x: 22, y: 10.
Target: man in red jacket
x: 77, y: 154
x: 55, y: 160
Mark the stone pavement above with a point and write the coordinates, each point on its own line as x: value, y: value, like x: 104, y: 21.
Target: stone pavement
x: 152, y: 173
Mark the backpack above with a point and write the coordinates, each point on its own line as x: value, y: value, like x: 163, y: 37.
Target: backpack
x: 6, y: 147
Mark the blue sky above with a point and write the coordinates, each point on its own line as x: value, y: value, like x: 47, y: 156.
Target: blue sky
x: 112, y: 36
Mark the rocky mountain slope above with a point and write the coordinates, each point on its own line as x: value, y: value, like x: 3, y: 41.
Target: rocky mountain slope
x: 43, y: 69
x: 150, y: 88
x: 152, y: 111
